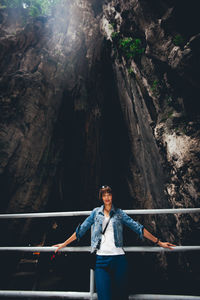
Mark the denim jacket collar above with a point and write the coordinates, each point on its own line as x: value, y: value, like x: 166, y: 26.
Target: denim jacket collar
x: 112, y: 211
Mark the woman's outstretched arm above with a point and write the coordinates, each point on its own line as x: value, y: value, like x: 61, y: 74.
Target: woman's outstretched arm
x: 80, y: 231
x: 67, y: 242
x: 152, y: 238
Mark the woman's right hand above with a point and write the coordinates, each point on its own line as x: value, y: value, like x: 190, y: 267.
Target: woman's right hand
x: 59, y: 246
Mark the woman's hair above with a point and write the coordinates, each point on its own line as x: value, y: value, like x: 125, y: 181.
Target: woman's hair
x: 104, y: 189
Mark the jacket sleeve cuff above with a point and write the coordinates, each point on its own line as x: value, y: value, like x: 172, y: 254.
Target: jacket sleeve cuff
x: 78, y: 232
x: 141, y: 232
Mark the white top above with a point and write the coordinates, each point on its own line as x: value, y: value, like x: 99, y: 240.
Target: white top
x: 107, y: 246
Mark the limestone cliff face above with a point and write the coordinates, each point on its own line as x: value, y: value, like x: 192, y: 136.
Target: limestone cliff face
x: 45, y: 66
x: 41, y: 62
x: 79, y: 110
x: 158, y: 92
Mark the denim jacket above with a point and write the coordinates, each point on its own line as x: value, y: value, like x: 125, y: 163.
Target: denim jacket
x: 119, y: 218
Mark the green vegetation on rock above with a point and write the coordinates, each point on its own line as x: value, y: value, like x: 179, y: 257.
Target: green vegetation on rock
x: 114, y: 35
x: 131, y: 47
x: 130, y: 71
x: 34, y: 7
x: 178, y: 40
x: 154, y: 87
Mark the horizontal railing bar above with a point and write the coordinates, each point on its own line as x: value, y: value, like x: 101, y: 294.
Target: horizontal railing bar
x: 45, y: 215
x: 86, y: 295
x: 162, y: 211
x: 87, y: 249
x: 46, y: 249
x: 160, y: 249
x: 162, y: 297
x: 47, y: 294
x: 86, y: 213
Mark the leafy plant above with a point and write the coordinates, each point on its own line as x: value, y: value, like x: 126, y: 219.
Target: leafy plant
x: 35, y: 10
x: 34, y: 7
x: 111, y: 26
x: 131, y: 47
x: 10, y: 3
x: 178, y: 40
x: 154, y: 88
x: 114, y: 35
x: 130, y: 71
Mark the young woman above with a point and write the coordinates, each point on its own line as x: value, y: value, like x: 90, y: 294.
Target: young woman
x: 111, y: 264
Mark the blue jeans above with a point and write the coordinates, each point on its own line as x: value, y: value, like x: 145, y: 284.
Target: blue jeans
x: 111, y: 277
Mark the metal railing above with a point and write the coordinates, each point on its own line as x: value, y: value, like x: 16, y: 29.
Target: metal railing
x: 91, y: 294
x: 86, y: 295
x: 86, y: 213
x: 87, y: 249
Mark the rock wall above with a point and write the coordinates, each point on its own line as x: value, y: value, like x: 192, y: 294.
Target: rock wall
x: 45, y: 64
x: 158, y: 93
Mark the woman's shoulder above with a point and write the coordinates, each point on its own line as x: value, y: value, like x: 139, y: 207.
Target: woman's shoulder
x: 118, y: 210
x: 94, y: 212
x: 96, y: 209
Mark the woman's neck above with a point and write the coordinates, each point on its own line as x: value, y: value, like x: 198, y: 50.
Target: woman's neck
x: 107, y: 209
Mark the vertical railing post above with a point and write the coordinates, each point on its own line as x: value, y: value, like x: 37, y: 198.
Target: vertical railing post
x: 91, y: 284
x: 91, y: 277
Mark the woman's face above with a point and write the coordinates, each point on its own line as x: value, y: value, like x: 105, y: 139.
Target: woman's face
x: 107, y: 198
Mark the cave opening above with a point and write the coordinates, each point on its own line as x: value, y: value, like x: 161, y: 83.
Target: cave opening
x: 96, y: 147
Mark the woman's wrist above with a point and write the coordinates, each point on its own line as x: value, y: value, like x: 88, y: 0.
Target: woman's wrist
x: 157, y: 241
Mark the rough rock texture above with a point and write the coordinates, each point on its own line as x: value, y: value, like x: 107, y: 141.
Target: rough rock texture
x: 77, y: 112
x: 43, y: 64
x: 159, y: 92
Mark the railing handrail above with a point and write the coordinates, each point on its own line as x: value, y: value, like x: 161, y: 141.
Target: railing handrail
x: 86, y: 295
x: 88, y: 248
x: 86, y: 213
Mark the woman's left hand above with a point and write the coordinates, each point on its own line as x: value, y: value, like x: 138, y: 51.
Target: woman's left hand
x: 166, y: 245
